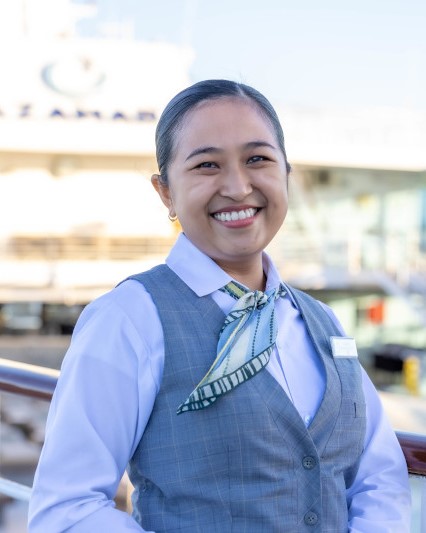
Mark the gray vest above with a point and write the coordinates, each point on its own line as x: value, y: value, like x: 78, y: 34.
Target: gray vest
x: 247, y: 463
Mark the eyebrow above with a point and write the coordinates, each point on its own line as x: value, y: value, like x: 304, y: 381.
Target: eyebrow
x: 215, y: 150
x: 203, y: 150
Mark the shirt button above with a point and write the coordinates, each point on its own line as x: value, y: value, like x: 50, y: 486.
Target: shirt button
x: 307, y: 420
x: 308, y: 462
x: 310, y: 518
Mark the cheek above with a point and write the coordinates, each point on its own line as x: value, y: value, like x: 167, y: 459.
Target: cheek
x: 176, y: 197
x: 279, y: 192
x: 281, y: 199
x: 191, y: 197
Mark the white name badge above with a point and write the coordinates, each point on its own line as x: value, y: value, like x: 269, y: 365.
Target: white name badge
x: 343, y: 347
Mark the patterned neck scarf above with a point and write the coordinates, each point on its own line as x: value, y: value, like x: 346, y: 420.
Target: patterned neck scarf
x: 246, y: 341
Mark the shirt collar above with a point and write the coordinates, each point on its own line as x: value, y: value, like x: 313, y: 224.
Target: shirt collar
x: 202, y: 274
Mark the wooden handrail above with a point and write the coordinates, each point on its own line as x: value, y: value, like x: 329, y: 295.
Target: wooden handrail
x: 40, y: 382
x: 414, y: 447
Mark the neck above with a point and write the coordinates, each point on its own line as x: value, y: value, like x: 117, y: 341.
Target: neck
x: 252, y: 276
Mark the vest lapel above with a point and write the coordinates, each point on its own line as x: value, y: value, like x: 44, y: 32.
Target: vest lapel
x: 279, y: 403
x: 320, y: 336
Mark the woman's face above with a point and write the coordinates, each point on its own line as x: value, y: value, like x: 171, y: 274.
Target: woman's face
x: 227, y: 182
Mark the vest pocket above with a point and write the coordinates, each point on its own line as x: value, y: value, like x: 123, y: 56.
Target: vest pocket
x: 351, y: 409
x: 360, y: 409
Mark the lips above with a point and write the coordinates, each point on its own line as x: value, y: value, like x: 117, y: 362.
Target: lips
x: 230, y: 216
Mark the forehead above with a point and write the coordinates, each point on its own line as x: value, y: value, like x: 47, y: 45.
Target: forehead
x: 224, y: 116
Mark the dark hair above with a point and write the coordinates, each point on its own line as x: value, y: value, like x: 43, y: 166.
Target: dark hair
x: 174, y: 113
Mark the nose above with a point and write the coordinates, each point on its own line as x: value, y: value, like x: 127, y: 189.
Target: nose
x: 236, y: 184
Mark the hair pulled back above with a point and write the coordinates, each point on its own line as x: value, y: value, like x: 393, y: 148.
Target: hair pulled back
x: 176, y: 110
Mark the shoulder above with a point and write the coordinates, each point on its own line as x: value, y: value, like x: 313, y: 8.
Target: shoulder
x: 301, y: 297
x: 127, y: 306
x: 304, y: 299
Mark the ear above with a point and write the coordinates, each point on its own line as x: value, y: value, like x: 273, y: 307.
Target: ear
x: 163, y: 191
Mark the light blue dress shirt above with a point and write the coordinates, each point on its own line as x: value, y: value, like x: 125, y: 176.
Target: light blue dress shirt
x: 108, y: 384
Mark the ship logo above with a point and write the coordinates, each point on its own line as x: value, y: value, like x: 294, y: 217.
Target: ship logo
x: 73, y: 76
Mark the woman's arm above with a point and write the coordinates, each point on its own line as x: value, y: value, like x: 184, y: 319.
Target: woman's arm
x: 99, y: 410
x: 379, y: 500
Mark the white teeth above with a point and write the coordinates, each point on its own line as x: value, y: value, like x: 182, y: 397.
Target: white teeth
x: 235, y: 215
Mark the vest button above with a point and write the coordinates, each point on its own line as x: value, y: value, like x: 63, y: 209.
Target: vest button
x: 310, y: 518
x: 308, y: 462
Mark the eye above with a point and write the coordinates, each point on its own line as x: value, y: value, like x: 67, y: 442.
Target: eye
x: 207, y: 164
x: 257, y: 159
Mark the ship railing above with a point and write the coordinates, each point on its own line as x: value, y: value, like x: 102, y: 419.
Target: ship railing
x: 39, y: 383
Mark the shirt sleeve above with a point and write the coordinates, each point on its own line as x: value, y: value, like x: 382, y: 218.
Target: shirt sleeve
x: 99, y: 411
x: 379, y: 499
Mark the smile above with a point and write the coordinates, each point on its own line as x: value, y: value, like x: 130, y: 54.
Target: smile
x: 229, y: 216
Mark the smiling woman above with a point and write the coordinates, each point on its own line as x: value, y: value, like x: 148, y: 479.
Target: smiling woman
x: 227, y: 184
x: 236, y: 401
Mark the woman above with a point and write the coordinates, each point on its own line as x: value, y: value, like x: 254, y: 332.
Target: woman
x: 262, y: 421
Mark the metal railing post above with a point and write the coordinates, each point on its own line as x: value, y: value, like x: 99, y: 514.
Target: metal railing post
x: 14, y: 490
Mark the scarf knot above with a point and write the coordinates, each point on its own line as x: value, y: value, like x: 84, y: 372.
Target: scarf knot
x: 246, y: 341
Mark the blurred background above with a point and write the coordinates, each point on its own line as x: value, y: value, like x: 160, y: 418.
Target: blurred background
x: 82, y: 84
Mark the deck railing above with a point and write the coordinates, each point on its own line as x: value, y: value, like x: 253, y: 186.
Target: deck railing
x: 39, y: 382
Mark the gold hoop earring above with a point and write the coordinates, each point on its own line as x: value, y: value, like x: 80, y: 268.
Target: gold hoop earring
x: 172, y: 219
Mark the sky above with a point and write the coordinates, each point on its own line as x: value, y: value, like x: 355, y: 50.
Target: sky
x: 304, y: 53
